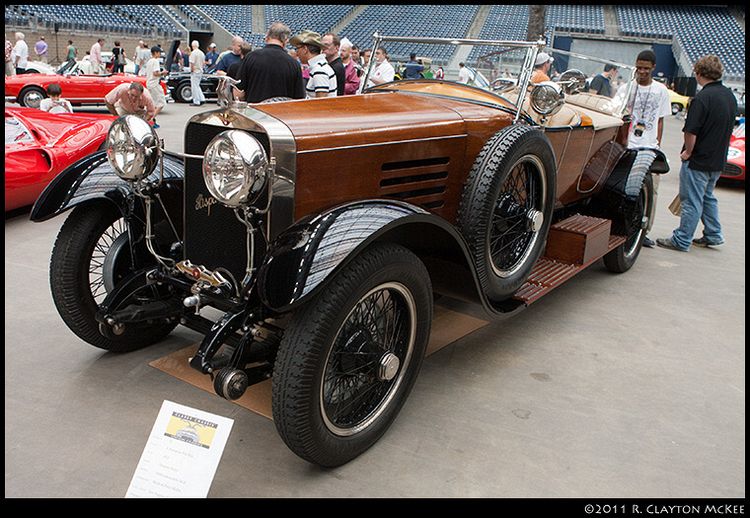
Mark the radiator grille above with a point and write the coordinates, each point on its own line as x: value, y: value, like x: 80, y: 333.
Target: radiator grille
x: 213, y: 235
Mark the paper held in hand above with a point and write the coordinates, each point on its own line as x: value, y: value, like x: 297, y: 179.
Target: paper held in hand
x: 675, y: 207
x: 181, y: 454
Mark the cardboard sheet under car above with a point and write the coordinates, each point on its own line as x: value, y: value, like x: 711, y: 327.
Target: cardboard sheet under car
x: 448, y: 326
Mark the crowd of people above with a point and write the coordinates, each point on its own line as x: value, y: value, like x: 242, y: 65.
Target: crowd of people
x: 329, y: 66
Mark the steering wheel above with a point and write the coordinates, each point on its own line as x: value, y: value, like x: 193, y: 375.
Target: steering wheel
x: 572, y: 81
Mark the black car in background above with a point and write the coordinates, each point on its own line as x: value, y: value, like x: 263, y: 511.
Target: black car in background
x: 178, y: 83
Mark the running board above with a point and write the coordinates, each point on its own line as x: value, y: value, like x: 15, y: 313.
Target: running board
x: 573, y: 244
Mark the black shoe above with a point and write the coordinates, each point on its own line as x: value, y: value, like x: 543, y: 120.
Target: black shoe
x: 705, y: 243
x: 648, y: 242
x: 666, y: 242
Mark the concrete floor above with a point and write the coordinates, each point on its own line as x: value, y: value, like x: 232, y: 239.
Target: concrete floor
x: 627, y: 385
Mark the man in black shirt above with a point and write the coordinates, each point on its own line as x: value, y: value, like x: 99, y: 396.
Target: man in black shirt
x: 270, y: 71
x: 707, y: 130
x: 331, y: 44
x: 602, y: 83
x: 234, y: 69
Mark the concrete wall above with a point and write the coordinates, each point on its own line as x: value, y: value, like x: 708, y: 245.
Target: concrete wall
x: 82, y: 42
x: 620, y: 52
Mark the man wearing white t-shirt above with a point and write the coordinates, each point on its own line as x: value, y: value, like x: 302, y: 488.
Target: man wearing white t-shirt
x: 21, y: 53
x: 463, y: 74
x: 647, y: 105
x: 383, y: 72
x: 197, y: 59
x: 95, y: 56
x: 153, y: 72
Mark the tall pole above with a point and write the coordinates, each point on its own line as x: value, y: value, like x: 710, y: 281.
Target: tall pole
x: 57, y: 42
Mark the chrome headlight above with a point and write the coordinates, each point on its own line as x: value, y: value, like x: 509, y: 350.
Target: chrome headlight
x: 235, y: 168
x: 132, y: 147
x: 546, y: 98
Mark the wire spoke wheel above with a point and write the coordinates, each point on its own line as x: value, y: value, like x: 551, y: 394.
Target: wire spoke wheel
x: 507, y: 207
x: 367, y: 361
x: 102, y: 248
x: 514, y: 226
x: 635, y: 227
x: 350, y: 356
x: 91, y: 256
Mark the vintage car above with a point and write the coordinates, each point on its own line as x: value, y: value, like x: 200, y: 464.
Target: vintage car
x: 40, y: 67
x: 734, y: 169
x: 77, y: 86
x: 321, y: 228
x: 178, y: 83
x: 40, y: 145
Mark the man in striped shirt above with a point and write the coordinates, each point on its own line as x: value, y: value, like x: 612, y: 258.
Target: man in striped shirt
x: 322, y: 82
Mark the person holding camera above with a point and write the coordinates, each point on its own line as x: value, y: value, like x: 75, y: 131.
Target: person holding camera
x: 647, y: 105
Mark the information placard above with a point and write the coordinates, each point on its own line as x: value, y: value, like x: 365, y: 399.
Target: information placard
x: 181, y: 454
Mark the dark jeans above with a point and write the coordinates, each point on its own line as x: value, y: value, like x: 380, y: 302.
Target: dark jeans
x: 118, y: 68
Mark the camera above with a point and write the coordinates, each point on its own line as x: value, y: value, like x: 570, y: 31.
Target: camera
x: 638, y: 130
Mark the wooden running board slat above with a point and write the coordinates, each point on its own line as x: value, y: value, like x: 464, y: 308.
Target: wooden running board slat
x: 548, y: 274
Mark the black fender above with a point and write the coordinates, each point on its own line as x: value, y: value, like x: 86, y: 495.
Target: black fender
x: 92, y: 178
x: 622, y: 175
x: 617, y: 199
x: 304, y: 258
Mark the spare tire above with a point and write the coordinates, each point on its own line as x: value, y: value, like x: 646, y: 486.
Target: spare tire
x: 506, y: 207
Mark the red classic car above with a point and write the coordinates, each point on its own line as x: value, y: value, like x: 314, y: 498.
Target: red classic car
x: 39, y: 145
x: 78, y: 88
x: 735, y: 166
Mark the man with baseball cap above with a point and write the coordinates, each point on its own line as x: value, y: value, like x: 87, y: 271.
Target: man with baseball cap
x: 211, y: 56
x: 322, y: 82
x: 541, y: 67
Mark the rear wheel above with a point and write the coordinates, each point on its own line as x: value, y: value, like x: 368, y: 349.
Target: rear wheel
x: 676, y: 108
x: 91, y: 255
x: 349, y: 357
x: 622, y: 258
x: 184, y: 93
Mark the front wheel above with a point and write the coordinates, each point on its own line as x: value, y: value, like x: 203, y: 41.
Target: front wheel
x: 31, y: 96
x: 349, y: 358
x: 91, y: 255
x: 676, y: 108
x: 622, y: 258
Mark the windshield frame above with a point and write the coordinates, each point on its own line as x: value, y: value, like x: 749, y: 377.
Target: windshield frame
x: 532, y: 49
x: 622, y: 66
